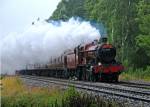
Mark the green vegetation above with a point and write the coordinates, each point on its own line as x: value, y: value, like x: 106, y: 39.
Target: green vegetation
x: 69, y: 8
x: 15, y: 94
x: 72, y: 98
x: 2, y: 76
x: 28, y: 100
x: 136, y: 74
x: 127, y: 23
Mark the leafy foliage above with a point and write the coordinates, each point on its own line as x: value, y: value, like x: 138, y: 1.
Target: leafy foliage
x: 127, y: 23
x: 143, y: 38
x: 69, y: 8
x: 72, y: 98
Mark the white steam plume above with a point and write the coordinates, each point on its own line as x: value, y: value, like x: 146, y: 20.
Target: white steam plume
x: 41, y: 41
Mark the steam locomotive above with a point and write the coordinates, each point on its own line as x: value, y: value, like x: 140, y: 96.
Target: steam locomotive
x: 91, y: 62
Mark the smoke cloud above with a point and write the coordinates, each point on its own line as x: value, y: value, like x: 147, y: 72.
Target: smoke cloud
x: 43, y: 40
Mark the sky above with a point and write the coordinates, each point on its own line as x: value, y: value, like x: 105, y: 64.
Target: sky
x: 16, y: 15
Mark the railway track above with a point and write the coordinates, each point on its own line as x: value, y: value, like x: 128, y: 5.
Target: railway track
x: 134, y: 84
x: 142, y: 95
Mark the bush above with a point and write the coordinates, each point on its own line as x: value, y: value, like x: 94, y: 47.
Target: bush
x: 72, y: 98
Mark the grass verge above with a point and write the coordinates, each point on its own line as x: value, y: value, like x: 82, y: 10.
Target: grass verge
x: 136, y: 74
x: 15, y: 94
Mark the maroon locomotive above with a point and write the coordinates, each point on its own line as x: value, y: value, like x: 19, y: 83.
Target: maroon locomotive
x: 93, y: 62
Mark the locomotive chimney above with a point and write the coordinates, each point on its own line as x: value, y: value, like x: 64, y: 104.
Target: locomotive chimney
x: 103, y: 40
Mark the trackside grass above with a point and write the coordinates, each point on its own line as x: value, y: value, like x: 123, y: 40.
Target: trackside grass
x: 15, y: 94
x: 136, y: 74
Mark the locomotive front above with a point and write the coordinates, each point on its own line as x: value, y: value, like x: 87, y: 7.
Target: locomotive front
x: 105, y: 52
x: 106, y: 67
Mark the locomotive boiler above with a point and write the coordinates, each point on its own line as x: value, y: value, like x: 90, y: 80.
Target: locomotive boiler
x: 91, y: 62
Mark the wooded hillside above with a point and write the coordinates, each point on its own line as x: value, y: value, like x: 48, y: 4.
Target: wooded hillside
x: 127, y: 23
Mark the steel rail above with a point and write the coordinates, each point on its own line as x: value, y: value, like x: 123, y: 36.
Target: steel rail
x: 133, y: 84
x: 92, y: 84
x: 93, y: 88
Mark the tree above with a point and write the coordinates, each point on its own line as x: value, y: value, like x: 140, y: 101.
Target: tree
x: 143, y: 39
x: 127, y: 23
x: 69, y: 8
